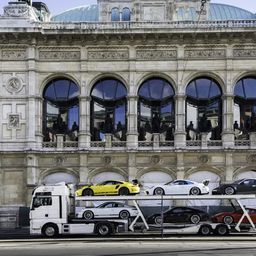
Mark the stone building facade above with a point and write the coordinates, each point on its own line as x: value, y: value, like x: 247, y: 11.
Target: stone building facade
x: 53, y: 69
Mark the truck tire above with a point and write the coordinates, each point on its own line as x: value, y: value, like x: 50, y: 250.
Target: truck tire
x: 195, y: 191
x: 50, y: 230
x: 124, y: 215
x: 159, y: 191
x: 205, y: 230
x: 123, y: 191
x: 88, y: 215
x: 103, y: 229
x: 221, y: 230
x: 87, y: 192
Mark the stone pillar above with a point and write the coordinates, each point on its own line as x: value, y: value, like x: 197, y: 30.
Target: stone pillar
x: 253, y: 140
x: 83, y: 170
x: 132, y: 123
x: 180, y: 133
x: 84, y: 136
x: 108, y: 139
x: 156, y: 140
x: 60, y: 141
x: 204, y: 140
x: 228, y: 120
x: 132, y: 169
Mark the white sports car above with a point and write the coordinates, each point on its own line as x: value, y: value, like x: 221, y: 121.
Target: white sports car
x: 179, y: 187
x: 108, y: 210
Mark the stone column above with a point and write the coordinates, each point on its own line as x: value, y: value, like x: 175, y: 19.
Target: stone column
x: 132, y: 123
x: 108, y: 139
x: 83, y: 170
x: 60, y: 141
x: 227, y: 127
x: 180, y: 133
x: 253, y: 140
x: 204, y: 140
x: 156, y: 140
x: 84, y: 136
x: 132, y: 169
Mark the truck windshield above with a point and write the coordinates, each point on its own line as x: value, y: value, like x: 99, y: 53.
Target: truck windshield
x: 40, y: 201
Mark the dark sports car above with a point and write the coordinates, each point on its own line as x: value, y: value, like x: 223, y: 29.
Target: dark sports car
x: 243, y: 186
x: 179, y: 215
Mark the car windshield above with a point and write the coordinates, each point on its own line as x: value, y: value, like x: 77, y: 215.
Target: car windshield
x: 238, y: 181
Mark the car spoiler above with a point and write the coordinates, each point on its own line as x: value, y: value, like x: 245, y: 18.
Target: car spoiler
x: 206, y: 182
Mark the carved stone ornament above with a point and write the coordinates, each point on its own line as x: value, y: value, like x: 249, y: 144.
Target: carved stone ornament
x: 59, y: 55
x: 108, y: 55
x: 156, y: 55
x: 17, y: 11
x: 155, y: 159
x: 205, y: 53
x: 60, y: 160
x: 203, y: 159
x: 14, y: 84
x: 107, y: 160
x: 13, y: 121
x: 247, y: 53
x: 252, y: 158
x: 13, y: 54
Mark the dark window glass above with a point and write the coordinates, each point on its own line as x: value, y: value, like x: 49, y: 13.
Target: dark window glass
x: 203, y: 109
x: 108, y: 110
x: 126, y: 14
x: 61, y: 110
x: 115, y: 16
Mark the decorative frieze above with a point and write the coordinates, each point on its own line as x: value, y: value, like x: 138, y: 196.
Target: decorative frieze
x: 244, y: 53
x: 108, y: 55
x: 59, y: 55
x: 17, y: 11
x: 13, y: 54
x: 156, y: 54
x: 205, y: 53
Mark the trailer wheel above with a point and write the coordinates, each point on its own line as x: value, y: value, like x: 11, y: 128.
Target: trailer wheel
x: 229, y: 191
x: 159, y: 191
x: 205, y: 230
x: 195, y: 191
x: 123, y: 191
x: 228, y: 220
x: 195, y: 219
x: 88, y: 215
x: 124, y: 215
x: 221, y: 230
x: 104, y: 229
x: 50, y: 230
x: 87, y: 192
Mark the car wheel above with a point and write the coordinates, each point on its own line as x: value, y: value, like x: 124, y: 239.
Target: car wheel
x: 195, y: 191
x: 205, y: 230
x: 228, y: 220
x: 229, y: 191
x: 50, y: 230
x: 87, y: 192
x: 103, y: 229
x: 124, y: 215
x: 88, y: 215
x: 221, y: 230
x: 123, y: 191
x: 158, y: 220
x: 159, y: 191
x: 195, y: 219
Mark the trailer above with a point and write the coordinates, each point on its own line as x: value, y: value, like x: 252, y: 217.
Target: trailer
x: 52, y: 213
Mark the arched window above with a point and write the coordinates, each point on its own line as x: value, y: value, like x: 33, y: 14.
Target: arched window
x: 115, y: 15
x: 203, y: 109
x: 108, y: 110
x: 126, y: 14
x: 245, y: 107
x: 156, y: 109
x: 61, y: 110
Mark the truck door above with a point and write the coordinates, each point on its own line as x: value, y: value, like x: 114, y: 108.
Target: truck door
x: 45, y: 207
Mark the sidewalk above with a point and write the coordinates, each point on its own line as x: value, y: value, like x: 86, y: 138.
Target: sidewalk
x: 17, y: 233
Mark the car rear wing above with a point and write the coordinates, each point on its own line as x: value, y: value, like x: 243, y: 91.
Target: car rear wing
x: 206, y: 182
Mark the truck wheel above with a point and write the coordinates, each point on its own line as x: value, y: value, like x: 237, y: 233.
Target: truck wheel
x: 104, y: 229
x: 195, y: 191
x: 87, y: 192
x: 221, y: 230
x: 195, y: 219
x: 228, y: 220
x: 88, y: 215
x: 50, y: 230
x: 229, y: 191
x: 124, y: 215
x: 123, y: 191
x: 205, y: 230
x: 159, y: 191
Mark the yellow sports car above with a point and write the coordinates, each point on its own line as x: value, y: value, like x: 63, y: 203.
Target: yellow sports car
x: 110, y: 187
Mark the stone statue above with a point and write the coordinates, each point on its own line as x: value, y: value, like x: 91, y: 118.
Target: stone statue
x: 156, y: 123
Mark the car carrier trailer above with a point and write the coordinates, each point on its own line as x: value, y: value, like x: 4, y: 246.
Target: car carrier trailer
x: 52, y: 213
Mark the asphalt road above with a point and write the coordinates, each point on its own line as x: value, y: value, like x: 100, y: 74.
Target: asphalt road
x: 146, y: 248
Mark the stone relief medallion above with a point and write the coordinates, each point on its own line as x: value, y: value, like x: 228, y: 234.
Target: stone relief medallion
x: 107, y: 160
x: 203, y: 159
x: 155, y: 159
x: 60, y: 160
x: 13, y: 121
x: 14, y: 84
x: 252, y: 158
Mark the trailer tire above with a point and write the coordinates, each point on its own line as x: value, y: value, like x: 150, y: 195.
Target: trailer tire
x: 195, y: 191
x: 88, y: 215
x: 221, y: 230
x: 124, y: 215
x: 229, y: 191
x: 123, y: 191
x: 103, y: 229
x: 87, y: 192
x: 228, y: 219
x: 159, y: 191
x: 50, y: 230
x: 205, y: 230
x: 195, y: 219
